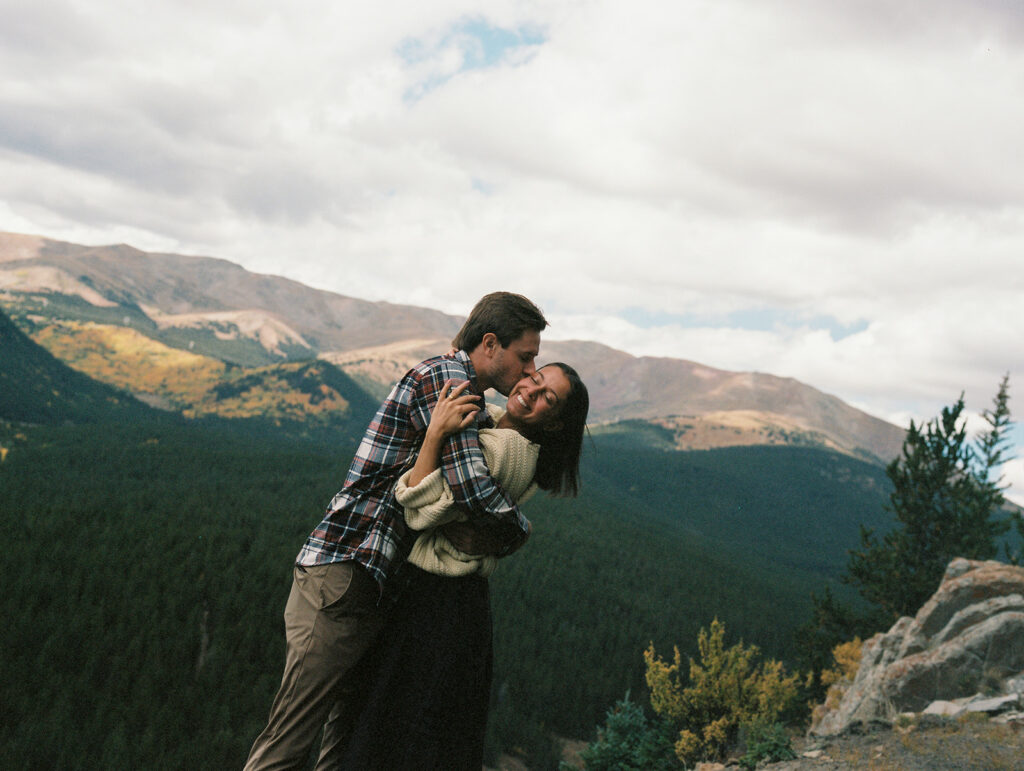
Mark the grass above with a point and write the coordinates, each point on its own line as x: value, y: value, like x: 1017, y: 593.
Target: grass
x: 968, y: 743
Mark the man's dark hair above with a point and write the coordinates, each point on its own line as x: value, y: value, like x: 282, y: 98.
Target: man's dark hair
x: 505, y: 314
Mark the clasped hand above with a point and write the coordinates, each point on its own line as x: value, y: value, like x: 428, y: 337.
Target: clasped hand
x: 454, y: 410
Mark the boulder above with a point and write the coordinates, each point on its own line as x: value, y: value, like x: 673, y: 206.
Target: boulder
x: 995, y: 704
x: 968, y: 637
x: 944, y: 708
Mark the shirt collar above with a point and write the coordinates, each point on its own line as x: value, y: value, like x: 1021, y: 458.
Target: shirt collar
x: 463, y: 358
x: 483, y: 418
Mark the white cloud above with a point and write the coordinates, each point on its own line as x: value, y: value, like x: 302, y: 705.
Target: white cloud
x: 749, y: 175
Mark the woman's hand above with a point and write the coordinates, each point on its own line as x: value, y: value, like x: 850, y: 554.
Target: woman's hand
x: 454, y: 410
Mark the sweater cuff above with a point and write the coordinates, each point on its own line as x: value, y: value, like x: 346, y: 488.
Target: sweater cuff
x: 429, y: 490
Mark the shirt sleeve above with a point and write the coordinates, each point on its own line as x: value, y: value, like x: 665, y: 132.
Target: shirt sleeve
x: 463, y: 465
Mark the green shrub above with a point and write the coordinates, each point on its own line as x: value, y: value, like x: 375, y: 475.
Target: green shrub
x: 628, y: 741
x: 765, y: 741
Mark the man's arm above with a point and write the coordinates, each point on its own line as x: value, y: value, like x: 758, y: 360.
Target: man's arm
x: 495, y: 523
x: 471, y: 538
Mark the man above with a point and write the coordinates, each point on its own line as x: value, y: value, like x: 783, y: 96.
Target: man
x: 344, y: 569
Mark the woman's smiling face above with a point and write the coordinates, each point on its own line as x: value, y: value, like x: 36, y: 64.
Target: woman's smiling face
x: 537, y: 399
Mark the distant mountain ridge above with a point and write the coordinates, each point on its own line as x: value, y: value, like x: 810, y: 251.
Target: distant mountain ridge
x: 104, y: 373
x: 35, y: 387
x: 214, y: 307
x: 174, y: 288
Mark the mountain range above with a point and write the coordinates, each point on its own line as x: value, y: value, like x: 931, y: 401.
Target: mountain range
x: 174, y: 426
x: 69, y: 297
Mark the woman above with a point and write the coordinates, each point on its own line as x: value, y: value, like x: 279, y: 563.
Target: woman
x: 429, y: 679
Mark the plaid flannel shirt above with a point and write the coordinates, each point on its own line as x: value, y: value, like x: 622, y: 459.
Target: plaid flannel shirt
x: 364, y: 522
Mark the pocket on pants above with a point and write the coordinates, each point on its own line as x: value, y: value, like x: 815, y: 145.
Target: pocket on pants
x: 339, y: 588
x: 323, y: 585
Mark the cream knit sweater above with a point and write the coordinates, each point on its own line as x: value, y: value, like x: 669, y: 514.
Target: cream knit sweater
x: 512, y: 461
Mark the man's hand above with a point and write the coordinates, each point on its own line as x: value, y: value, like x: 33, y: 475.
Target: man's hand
x: 472, y: 539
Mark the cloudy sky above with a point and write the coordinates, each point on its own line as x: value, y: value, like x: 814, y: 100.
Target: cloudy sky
x: 828, y: 191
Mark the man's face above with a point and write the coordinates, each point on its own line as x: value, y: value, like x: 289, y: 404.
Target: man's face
x: 538, y: 398
x: 512, y: 364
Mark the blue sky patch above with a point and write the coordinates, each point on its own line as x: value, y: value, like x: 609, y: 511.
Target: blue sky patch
x: 755, y: 319
x: 481, y: 44
x: 1016, y: 437
x: 481, y: 186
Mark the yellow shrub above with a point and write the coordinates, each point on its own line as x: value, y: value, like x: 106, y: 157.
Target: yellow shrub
x: 688, y: 745
x: 839, y: 678
x: 728, y: 687
x: 663, y: 680
x: 847, y: 658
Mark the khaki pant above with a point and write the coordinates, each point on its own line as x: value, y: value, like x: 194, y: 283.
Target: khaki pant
x: 330, y: 620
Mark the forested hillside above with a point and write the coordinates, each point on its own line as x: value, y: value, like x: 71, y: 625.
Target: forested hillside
x: 36, y: 388
x: 147, y: 562
x: 146, y: 569
x: 145, y: 572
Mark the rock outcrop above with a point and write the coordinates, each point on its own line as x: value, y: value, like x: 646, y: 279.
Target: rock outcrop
x: 967, y: 641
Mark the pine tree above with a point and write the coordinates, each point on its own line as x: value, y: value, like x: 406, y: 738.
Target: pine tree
x: 945, y: 499
x: 992, y: 448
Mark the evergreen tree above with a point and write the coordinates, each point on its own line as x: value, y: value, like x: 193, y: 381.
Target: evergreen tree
x: 629, y: 742
x: 993, y: 447
x: 945, y: 498
x: 832, y: 622
x: 1016, y: 556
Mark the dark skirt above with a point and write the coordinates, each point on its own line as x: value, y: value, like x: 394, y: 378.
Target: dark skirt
x: 428, y: 683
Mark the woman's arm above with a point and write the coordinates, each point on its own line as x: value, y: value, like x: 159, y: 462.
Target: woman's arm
x: 422, y: 491
x: 453, y: 411
x: 428, y: 504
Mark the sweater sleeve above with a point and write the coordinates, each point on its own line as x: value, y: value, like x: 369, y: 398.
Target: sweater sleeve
x: 512, y: 460
x: 428, y: 504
